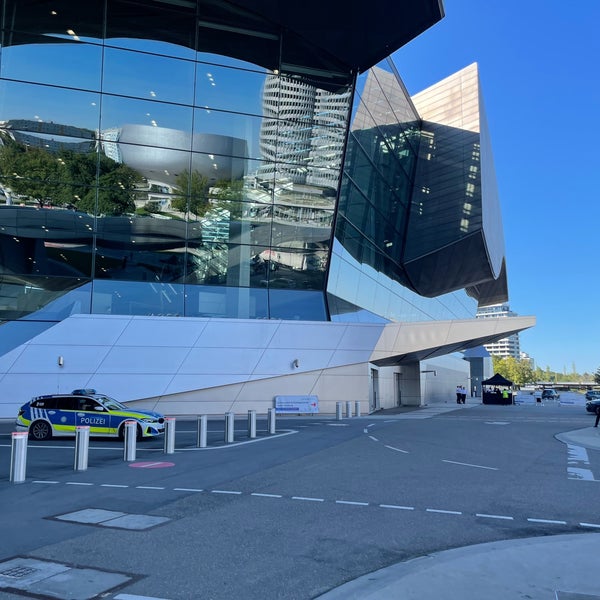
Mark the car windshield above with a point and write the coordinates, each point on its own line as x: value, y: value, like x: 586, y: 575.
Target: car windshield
x: 110, y: 403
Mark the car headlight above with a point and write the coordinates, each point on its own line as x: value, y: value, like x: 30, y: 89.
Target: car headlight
x: 149, y: 420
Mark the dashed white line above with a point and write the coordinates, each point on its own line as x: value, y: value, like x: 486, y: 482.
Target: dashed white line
x: 374, y: 438
x: 371, y: 425
x: 45, y: 482
x: 77, y: 483
x: 113, y: 485
x: 494, y: 516
x: 148, y: 487
x: 266, y: 495
x: 549, y: 521
x: 352, y: 503
x: 226, y: 492
x: 187, y: 490
x: 453, y: 462
x: 136, y: 597
x: 444, y: 512
x: 595, y: 525
x: 397, y: 507
x: 398, y: 449
x: 308, y: 499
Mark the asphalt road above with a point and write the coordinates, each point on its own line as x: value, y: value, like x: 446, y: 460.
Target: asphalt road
x: 296, y: 514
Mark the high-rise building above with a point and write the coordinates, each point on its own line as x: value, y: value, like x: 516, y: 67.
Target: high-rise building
x: 206, y: 205
x: 506, y: 346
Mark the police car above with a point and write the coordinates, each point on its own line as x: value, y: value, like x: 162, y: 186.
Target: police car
x: 59, y: 415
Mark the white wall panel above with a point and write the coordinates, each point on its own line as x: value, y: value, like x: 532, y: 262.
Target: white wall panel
x: 307, y: 335
x: 229, y: 333
x: 44, y: 359
x: 92, y: 330
x: 220, y: 360
x: 143, y: 359
x: 167, y: 332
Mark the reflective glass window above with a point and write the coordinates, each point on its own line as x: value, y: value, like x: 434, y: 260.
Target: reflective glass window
x: 148, y: 76
x: 297, y: 305
x: 226, y: 302
x: 137, y: 298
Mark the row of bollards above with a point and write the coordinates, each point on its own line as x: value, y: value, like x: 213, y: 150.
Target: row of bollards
x: 18, y: 457
x: 338, y: 409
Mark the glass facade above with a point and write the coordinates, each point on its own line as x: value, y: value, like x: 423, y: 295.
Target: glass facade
x: 144, y: 171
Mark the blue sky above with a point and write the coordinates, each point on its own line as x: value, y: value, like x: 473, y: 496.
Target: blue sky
x: 539, y: 72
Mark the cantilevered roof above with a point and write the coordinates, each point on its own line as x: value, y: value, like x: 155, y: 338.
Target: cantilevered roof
x: 328, y: 39
x: 408, y: 342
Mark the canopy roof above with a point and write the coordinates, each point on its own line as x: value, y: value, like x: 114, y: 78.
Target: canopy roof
x: 497, y: 379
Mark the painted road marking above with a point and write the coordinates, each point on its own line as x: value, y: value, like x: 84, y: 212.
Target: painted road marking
x: 77, y: 483
x: 136, y: 597
x: 374, y: 438
x: 348, y: 502
x: 152, y: 465
x: 453, y: 462
x: 148, y: 487
x: 398, y: 449
x: 578, y: 459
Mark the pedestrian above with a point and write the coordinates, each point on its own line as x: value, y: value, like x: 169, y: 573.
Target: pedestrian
x: 597, y: 416
x: 458, y: 394
x: 463, y: 393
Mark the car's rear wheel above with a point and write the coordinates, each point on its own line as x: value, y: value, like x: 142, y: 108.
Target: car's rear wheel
x: 40, y: 430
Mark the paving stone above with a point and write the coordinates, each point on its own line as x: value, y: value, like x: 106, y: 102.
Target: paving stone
x: 90, y: 515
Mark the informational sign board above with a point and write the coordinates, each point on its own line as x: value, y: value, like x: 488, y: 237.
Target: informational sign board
x: 296, y: 405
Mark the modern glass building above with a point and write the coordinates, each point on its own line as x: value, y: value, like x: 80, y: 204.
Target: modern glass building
x: 206, y: 204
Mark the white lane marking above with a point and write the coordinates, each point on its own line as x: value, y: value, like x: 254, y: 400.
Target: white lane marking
x: 398, y: 449
x: 308, y: 499
x: 552, y: 522
x: 577, y: 459
x: 444, y: 512
x: 397, y: 507
x: 497, y: 423
x: 187, y: 490
x: 234, y: 444
x: 453, y: 462
x: 44, y: 482
x: 365, y: 430
x: 148, y: 487
x: 77, y: 483
x: 390, y: 421
x: 494, y: 516
x: 590, y: 525
x: 113, y: 485
x: 371, y: 425
x: 338, y: 424
x: 374, y: 438
x: 352, y: 503
x: 149, y: 465
x: 225, y: 492
x: 136, y: 597
x: 266, y: 495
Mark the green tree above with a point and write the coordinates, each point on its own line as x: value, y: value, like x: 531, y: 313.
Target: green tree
x: 191, y: 193
x: 597, y: 376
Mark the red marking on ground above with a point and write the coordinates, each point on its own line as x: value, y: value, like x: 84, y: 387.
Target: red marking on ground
x: 152, y: 465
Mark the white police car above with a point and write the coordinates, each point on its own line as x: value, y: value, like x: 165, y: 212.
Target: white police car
x: 59, y: 415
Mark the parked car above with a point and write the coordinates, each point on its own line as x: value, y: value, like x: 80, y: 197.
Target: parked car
x: 592, y: 394
x: 550, y: 394
x: 593, y: 405
x: 59, y: 415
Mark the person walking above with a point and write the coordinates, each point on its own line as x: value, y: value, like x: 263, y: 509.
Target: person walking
x: 597, y: 416
x: 458, y: 394
x: 463, y: 394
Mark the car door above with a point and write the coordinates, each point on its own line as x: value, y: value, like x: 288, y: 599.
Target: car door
x: 63, y: 417
x: 92, y: 414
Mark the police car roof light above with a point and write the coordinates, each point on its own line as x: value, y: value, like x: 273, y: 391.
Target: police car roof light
x: 83, y: 392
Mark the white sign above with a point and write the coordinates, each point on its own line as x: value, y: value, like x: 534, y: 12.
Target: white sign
x: 296, y: 404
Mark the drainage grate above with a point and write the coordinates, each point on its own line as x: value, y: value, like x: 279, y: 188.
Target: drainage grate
x: 18, y: 572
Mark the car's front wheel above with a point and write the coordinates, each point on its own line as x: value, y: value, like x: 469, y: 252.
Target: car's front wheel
x: 139, y: 434
x: 40, y: 430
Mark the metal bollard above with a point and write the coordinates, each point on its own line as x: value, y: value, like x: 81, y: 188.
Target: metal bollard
x: 18, y: 456
x: 338, y: 411
x: 202, y: 432
x: 357, y: 409
x: 348, y: 408
x: 271, y: 420
x: 229, y: 423
x: 82, y: 447
x: 129, y: 447
x: 169, y: 442
x: 251, y: 424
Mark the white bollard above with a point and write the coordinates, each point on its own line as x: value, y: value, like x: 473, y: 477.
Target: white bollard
x: 348, y: 408
x: 229, y: 424
x: 82, y: 447
x: 169, y: 442
x: 251, y: 424
x: 202, y: 431
x: 357, y: 409
x: 130, y: 440
x: 271, y: 420
x: 338, y: 411
x: 18, y: 456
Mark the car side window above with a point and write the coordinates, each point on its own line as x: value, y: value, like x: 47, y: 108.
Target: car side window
x: 67, y: 403
x: 47, y: 403
x: 88, y: 404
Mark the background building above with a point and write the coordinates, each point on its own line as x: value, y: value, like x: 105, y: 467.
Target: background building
x: 508, y: 346
x: 211, y: 204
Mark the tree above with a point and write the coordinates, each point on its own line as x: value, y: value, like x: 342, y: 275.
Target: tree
x: 191, y: 193
x: 597, y: 376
